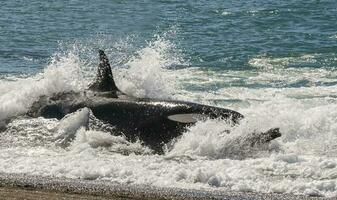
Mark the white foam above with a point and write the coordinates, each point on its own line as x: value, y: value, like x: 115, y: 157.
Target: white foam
x: 68, y: 126
x: 147, y: 74
x: 303, y: 161
x: 272, y: 63
x: 117, y: 144
x: 223, y: 140
x: 62, y: 74
x: 225, y: 13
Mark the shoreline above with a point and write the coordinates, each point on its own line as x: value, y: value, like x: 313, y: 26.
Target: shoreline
x: 18, y: 186
x: 13, y: 193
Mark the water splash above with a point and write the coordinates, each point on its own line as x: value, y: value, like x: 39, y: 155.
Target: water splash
x: 104, y: 140
x: 148, y: 71
x: 302, y: 161
x: 223, y: 140
x: 62, y: 74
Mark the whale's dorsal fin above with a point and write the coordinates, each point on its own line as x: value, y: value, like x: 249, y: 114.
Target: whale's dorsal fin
x: 104, y: 81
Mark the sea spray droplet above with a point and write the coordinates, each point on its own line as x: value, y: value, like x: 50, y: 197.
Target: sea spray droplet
x: 61, y: 75
x: 148, y: 74
x: 68, y: 126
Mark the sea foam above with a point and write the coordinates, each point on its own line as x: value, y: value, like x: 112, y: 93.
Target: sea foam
x: 302, y: 161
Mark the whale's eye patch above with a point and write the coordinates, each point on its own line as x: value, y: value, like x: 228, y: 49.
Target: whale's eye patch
x: 187, y: 118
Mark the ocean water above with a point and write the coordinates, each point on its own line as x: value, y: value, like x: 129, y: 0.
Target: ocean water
x: 273, y: 61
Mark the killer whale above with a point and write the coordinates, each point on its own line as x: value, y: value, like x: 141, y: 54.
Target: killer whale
x: 153, y: 121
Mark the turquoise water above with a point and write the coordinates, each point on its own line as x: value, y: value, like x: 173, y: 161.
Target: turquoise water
x: 273, y: 61
x: 213, y: 35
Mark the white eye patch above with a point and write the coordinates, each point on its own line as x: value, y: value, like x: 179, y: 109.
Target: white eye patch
x: 187, y: 118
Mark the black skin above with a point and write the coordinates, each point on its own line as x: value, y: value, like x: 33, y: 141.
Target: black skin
x: 104, y: 79
x: 144, y: 119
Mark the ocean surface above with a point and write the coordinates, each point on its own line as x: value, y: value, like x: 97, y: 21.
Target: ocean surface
x: 273, y: 61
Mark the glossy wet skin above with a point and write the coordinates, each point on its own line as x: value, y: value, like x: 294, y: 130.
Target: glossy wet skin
x: 149, y: 120
x: 144, y: 119
x: 155, y: 122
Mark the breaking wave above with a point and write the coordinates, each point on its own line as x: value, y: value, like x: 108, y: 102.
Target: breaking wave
x: 148, y: 72
x: 301, y: 102
x: 61, y: 75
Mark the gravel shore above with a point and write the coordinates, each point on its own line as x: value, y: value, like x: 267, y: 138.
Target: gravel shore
x: 21, y: 186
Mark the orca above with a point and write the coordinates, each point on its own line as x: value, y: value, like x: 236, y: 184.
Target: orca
x: 153, y: 121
